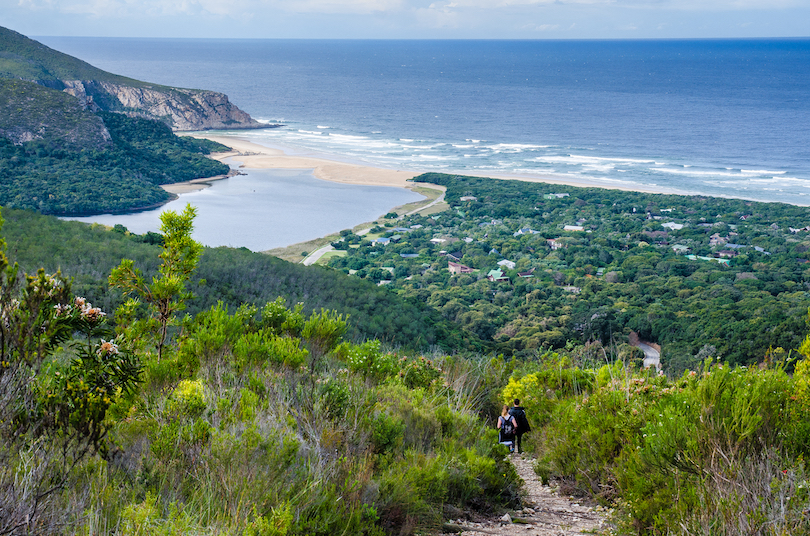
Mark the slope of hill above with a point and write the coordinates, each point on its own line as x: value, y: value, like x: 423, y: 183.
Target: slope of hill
x: 120, y: 167
x: 233, y: 276
x: 183, y: 109
x: 30, y: 112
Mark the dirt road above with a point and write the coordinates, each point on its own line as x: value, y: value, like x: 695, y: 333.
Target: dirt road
x: 545, y: 512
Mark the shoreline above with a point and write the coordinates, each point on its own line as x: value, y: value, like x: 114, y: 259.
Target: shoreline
x: 255, y: 156
x: 251, y: 155
x: 195, y: 185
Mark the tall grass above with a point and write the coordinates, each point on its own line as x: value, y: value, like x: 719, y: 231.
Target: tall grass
x: 718, y: 451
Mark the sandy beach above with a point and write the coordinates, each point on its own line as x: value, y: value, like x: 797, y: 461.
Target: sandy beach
x: 254, y: 156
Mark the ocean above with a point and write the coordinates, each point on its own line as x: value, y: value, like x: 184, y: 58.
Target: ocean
x: 715, y: 117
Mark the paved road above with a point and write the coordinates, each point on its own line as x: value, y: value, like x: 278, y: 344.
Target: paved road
x: 315, y: 256
x: 652, y: 358
x: 435, y: 201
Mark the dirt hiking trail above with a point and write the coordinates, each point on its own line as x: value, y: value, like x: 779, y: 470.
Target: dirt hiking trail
x: 545, y: 513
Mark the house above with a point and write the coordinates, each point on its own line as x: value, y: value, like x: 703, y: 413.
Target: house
x: 680, y: 248
x: 438, y: 240
x: 417, y: 226
x: 456, y: 268
x: 508, y: 264
x: 717, y: 240
x: 672, y: 225
x: 381, y: 241
x: 554, y: 196
x: 525, y: 230
x: 727, y: 253
x: 526, y: 274
x: 573, y: 228
x: 468, y: 198
x: 456, y: 255
x: 713, y: 259
x: 554, y: 244
x: 408, y: 255
x: 497, y: 275
x: 401, y: 230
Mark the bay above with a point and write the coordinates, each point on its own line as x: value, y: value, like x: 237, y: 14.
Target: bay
x: 265, y: 209
x: 717, y: 117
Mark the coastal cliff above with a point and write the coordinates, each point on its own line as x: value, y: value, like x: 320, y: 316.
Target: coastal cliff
x: 181, y: 109
x: 24, y: 59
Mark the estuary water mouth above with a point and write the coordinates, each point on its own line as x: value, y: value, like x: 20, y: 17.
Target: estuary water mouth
x: 269, y: 208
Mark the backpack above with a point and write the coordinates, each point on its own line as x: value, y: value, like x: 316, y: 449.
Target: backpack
x: 507, y: 428
x: 520, y: 419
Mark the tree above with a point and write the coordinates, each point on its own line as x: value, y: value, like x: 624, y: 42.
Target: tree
x: 167, y: 293
x: 53, y: 415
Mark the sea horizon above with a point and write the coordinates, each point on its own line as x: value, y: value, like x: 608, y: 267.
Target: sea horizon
x: 722, y: 117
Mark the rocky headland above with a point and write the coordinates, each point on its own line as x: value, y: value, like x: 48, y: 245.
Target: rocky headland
x: 27, y: 60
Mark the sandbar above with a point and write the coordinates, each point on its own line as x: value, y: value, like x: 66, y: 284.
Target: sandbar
x: 254, y: 156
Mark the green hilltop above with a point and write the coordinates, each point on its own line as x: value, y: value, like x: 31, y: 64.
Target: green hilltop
x: 75, y: 139
x: 23, y: 58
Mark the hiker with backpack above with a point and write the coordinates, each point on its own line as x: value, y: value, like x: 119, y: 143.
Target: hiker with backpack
x: 522, y: 423
x: 507, y: 425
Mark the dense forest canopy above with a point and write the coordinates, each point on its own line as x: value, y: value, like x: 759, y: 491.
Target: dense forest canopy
x: 691, y: 273
x: 87, y: 254
x: 51, y: 177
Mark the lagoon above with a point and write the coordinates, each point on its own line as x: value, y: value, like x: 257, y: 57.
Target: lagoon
x: 269, y: 208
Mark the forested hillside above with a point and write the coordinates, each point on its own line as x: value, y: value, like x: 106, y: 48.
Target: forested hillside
x: 129, y: 406
x: 232, y: 276
x: 699, y: 276
x: 63, y: 150
x: 56, y: 175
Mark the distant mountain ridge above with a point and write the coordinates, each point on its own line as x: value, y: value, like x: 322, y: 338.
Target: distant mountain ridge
x: 28, y: 60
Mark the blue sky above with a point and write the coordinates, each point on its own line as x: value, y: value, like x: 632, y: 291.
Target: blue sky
x: 476, y: 19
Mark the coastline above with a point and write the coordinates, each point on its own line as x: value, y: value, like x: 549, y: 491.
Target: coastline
x: 195, y: 185
x: 255, y: 156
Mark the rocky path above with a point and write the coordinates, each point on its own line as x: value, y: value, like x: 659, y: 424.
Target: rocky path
x: 545, y: 513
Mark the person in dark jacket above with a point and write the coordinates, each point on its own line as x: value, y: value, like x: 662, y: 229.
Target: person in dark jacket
x: 522, y: 424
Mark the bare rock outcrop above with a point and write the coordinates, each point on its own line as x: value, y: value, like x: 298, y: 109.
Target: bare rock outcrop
x: 181, y: 109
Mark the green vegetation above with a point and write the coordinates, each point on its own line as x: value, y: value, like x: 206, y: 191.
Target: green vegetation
x: 63, y: 151
x: 42, y: 175
x: 29, y: 111
x: 26, y: 59
x: 233, y: 276
x: 250, y: 421
x: 296, y: 400
x: 720, y: 450
x: 615, y: 270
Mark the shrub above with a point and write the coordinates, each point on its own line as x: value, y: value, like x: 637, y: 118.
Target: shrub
x: 188, y: 398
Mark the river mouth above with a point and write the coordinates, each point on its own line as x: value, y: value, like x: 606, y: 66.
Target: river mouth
x: 269, y: 208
